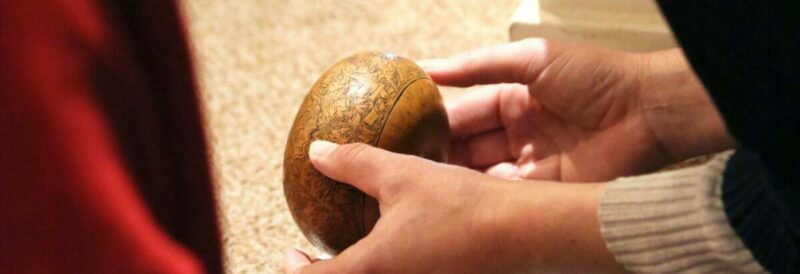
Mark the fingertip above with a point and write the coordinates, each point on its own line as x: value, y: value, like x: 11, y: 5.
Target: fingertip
x: 504, y: 170
x: 452, y: 108
x: 432, y: 64
x: 294, y: 261
x: 444, y: 77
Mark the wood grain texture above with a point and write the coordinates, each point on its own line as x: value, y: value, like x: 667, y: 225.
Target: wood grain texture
x: 374, y: 98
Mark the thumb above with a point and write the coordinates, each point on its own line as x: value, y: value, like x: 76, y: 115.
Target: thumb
x: 296, y: 262
x: 367, y: 168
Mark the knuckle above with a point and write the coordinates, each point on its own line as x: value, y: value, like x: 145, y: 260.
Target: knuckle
x: 368, y: 266
x: 468, y: 60
x: 507, y: 88
x: 410, y: 169
x: 533, y: 51
x: 400, y: 173
x: 352, y: 154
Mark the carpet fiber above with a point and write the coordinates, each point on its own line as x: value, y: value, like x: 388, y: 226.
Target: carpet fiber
x: 256, y: 60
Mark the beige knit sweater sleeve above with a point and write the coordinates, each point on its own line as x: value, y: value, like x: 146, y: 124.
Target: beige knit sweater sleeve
x: 673, y: 222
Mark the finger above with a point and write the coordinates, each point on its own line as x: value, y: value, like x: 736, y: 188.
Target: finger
x: 474, y: 112
x: 483, y: 109
x: 294, y: 260
x: 367, y: 168
x: 544, y: 169
x: 518, y: 62
x: 489, y: 148
x: 459, y: 153
x: 479, y: 110
x: 504, y: 170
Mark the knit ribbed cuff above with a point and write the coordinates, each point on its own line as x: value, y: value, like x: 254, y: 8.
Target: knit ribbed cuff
x: 673, y: 222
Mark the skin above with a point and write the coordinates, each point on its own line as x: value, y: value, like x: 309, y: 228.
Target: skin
x: 566, y: 113
x: 581, y: 114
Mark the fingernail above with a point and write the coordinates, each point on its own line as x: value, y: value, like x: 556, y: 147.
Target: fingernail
x: 294, y: 260
x: 431, y: 64
x: 321, y: 149
x: 527, y: 169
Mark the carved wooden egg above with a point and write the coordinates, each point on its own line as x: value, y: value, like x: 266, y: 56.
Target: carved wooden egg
x: 374, y: 98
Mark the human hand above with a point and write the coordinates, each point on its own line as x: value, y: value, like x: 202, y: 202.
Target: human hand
x: 576, y: 113
x: 438, y: 218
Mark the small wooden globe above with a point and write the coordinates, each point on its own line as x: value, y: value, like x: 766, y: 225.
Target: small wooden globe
x: 374, y: 98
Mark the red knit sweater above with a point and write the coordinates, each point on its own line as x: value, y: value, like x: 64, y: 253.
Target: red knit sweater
x: 103, y: 165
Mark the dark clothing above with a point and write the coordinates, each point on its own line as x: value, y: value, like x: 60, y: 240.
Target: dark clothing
x: 746, y: 54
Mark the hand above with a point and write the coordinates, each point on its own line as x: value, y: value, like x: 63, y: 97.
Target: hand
x: 437, y: 218
x: 576, y: 113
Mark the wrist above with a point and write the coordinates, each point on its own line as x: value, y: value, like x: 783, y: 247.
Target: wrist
x: 677, y: 109
x: 554, y: 227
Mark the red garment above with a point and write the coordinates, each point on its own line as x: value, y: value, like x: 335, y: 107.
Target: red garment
x: 103, y: 165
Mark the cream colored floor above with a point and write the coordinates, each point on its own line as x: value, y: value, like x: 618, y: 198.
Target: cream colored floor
x: 257, y: 59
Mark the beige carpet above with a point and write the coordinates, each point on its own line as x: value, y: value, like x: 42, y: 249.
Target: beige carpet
x: 257, y: 59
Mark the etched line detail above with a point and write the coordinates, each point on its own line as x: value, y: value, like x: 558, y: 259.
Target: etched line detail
x: 377, y: 141
x: 351, y: 102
